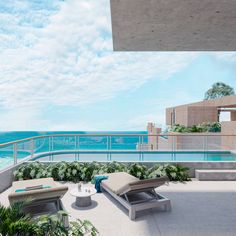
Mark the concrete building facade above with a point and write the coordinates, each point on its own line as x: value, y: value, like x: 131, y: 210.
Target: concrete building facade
x: 199, y: 112
x: 194, y: 114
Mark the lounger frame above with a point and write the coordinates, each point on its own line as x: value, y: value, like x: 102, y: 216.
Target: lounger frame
x: 155, y: 200
x: 56, y: 201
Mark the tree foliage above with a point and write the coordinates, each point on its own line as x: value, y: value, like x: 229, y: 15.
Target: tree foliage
x: 219, y: 90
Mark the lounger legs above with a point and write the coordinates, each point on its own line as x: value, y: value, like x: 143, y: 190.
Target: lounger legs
x: 132, y: 214
x: 167, y: 206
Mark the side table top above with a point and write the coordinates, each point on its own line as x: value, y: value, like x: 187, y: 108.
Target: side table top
x: 85, y: 192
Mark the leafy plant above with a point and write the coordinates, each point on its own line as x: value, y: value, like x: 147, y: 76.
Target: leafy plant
x: 173, y: 172
x: 179, y: 128
x: 137, y: 170
x: 50, y: 225
x: 177, y: 173
x: 77, y: 171
x: 200, y: 128
x: 13, y: 222
x: 80, y: 228
x: 157, y: 171
x: 114, y: 166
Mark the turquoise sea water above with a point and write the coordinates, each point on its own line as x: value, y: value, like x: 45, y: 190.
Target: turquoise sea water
x: 12, y: 136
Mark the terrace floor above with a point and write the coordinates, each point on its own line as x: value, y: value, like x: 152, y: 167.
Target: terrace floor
x: 198, y: 208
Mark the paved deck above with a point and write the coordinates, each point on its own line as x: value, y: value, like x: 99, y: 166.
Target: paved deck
x: 198, y: 208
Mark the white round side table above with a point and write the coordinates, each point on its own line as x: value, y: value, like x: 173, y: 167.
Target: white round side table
x: 83, y: 197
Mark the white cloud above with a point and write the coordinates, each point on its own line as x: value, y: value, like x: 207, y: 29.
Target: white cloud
x: 72, y: 63
x: 21, y: 120
x: 61, y: 53
x: 226, y: 56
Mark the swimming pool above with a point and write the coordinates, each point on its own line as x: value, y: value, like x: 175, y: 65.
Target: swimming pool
x: 6, y: 158
x: 134, y: 156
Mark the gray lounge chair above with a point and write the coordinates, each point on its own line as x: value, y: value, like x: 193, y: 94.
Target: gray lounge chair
x: 135, y: 194
x: 35, y: 194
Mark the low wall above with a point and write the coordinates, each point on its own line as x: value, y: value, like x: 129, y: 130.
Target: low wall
x: 6, y: 177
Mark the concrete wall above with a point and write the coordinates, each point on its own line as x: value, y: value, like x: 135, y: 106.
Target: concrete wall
x: 233, y: 115
x: 228, y: 128
x: 191, y: 142
x: 173, y: 25
x: 6, y: 177
x: 192, y: 115
x: 181, y: 115
x: 153, y: 140
x: 198, y: 115
x: 169, y: 112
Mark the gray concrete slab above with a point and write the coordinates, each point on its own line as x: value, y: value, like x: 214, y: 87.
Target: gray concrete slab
x: 173, y: 25
x: 199, y: 208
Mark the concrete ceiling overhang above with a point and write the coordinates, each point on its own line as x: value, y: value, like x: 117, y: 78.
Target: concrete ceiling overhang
x: 174, y: 25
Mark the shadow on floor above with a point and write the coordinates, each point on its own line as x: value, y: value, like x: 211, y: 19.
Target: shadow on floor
x: 93, y: 205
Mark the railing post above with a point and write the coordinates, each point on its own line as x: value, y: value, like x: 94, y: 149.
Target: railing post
x: 172, y: 146
x: 49, y: 144
x: 52, y: 147
x: 142, y: 147
x: 75, y: 142
x: 107, y: 148
x: 15, y: 153
x: 110, y: 147
x: 107, y: 142
x: 110, y: 143
x: 139, y: 142
x: 32, y: 148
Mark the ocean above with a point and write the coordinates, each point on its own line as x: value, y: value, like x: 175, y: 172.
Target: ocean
x: 117, y: 142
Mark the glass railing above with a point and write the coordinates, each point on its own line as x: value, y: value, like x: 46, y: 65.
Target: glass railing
x: 123, y: 147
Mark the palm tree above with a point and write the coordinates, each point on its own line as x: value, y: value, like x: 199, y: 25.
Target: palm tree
x: 219, y: 90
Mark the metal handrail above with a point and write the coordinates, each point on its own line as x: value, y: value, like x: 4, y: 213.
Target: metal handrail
x: 33, y: 149
x: 112, y: 135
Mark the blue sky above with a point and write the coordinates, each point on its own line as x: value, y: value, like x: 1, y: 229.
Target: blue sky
x: 58, y: 71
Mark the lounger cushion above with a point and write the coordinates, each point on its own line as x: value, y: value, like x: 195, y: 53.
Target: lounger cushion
x: 121, y: 183
x: 147, y: 183
x: 56, y: 191
x: 117, y: 182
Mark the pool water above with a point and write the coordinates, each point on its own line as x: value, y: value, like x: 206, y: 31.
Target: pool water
x: 146, y: 156
x: 6, y: 158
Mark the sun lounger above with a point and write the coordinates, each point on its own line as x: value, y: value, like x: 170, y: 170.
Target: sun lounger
x: 37, y: 191
x: 135, y: 194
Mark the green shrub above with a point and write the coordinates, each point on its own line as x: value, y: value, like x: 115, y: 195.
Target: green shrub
x: 114, y: 166
x: 200, y: 128
x: 177, y: 173
x: 78, y: 171
x: 173, y: 172
x: 179, y: 128
x: 138, y: 170
x: 31, y: 171
x: 157, y: 171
